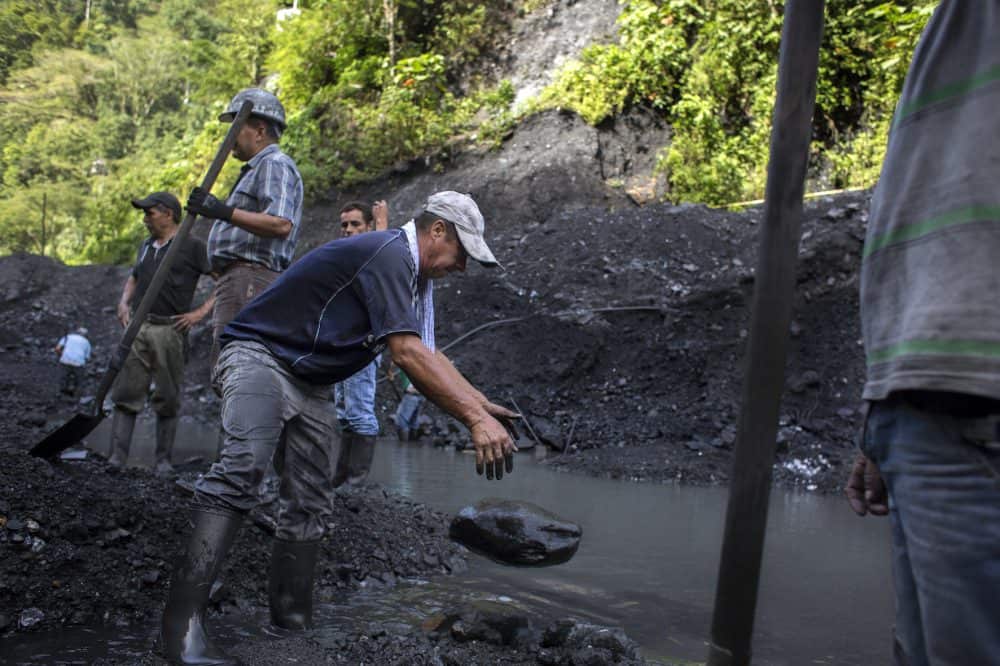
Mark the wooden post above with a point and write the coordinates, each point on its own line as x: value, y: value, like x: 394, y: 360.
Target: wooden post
x: 753, y: 458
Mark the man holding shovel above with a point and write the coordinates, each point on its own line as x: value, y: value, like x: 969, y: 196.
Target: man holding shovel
x: 327, y: 317
x: 255, y: 231
x: 159, y: 350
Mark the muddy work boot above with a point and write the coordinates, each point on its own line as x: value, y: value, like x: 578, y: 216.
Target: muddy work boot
x: 354, y: 460
x: 342, y: 470
x: 290, y: 583
x: 122, y: 425
x: 183, y: 639
x: 360, y: 462
x: 166, y: 430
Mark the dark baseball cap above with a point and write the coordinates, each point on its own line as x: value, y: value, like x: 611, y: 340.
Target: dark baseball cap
x: 160, y: 199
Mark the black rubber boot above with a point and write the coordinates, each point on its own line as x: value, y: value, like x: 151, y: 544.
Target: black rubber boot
x: 360, y: 463
x: 290, y: 583
x: 343, y: 469
x: 122, y: 425
x: 166, y: 431
x: 183, y: 639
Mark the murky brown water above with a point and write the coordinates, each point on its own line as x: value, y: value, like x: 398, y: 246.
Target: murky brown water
x: 648, y: 562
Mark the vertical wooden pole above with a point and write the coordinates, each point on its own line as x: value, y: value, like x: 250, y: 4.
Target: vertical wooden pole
x: 746, y: 514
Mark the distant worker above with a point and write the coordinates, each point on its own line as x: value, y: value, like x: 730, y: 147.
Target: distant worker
x: 255, y: 231
x: 327, y: 317
x: 159, y: 351
x: 73, y: 350
x: 930, y: 317
x: 355, y: 396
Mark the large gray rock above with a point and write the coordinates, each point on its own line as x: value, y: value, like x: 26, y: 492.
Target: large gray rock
x: 516, y: 532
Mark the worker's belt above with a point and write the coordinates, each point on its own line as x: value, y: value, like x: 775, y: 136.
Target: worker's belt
x: 159, y: 320
x: 243, y: 264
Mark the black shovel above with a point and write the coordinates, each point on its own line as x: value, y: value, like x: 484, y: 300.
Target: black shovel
x: 82, y: 424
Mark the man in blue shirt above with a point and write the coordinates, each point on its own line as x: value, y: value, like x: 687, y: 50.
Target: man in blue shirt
x: 73, y: 350
x: 327, y: 317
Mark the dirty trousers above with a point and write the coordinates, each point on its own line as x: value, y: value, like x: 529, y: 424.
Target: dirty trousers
x: 238, y: 285
x: 267, y: 412
x: 942, y: 470
x: 157, y: 355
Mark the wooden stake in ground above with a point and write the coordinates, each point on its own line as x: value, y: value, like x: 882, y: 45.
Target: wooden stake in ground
x: 746, y: 514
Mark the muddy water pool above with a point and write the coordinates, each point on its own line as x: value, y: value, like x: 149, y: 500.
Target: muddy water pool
x: 647, y: 562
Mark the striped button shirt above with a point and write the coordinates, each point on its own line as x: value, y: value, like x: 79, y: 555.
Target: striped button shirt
x: 269, y: 183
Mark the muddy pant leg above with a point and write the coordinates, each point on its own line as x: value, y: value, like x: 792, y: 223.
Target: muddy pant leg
x: 238, y: 286
x: 132, y: 384
x: 944, y: 493
x: 253, y: 417
x: 305, y: 465
x: 69, y: 379
x: 167, y: 370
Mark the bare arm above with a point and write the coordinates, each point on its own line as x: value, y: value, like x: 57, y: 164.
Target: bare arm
x: 261, y: 224
x: 380, y: 214
x: 457, y: 378
x: 184, y: 322
x: 439, y: 381
x: 124, y: 313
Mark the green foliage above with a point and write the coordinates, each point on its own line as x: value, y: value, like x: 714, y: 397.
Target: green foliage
x: 98, y: 108
x: 710, y: 68
x: 643, y: 67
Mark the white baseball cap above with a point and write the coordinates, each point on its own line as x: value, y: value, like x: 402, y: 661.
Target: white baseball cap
x: 462, y: 211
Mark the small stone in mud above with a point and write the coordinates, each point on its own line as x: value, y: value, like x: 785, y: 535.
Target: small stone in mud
x: 516, y: 532
x: 151, y: 577
x: 30, y: 617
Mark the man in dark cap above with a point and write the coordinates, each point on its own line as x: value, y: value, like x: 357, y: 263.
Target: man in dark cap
x: 321, y: 322
x: 255, y: 230
x: 158, y: 353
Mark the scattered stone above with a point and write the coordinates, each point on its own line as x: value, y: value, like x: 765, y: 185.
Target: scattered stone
x: 30, y: 617
x: 516, y: 532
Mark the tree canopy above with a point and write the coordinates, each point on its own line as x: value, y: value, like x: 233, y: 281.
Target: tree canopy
x: 102, y: 101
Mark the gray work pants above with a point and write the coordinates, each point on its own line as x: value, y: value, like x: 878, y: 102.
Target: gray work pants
x: 267, y: 412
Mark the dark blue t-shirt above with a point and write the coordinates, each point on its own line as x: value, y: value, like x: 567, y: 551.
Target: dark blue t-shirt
x: 327, y: 316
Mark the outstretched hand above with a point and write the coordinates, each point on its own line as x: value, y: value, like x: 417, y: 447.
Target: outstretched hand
x: 493, y: 439
x: 865, y: 489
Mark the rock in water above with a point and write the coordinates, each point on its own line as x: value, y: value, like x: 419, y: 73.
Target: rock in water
x: 516, y: 532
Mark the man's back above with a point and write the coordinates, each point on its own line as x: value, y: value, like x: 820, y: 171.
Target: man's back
x: 75, y: 350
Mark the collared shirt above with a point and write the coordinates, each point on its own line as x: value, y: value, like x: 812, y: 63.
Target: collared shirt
x: 269, y: 183
x: 329, y: 314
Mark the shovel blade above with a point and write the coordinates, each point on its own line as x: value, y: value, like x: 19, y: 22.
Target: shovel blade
x: 67, y: 435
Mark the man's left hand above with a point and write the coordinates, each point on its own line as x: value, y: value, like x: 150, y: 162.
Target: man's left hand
x: 494, y: 448
x: 202, y: 203
x: 865, y: 489
x: 184, y: 322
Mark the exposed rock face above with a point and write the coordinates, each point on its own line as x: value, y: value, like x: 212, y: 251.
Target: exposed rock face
x: 516, y: 532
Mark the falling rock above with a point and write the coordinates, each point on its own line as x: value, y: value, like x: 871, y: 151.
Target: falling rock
x: 516, y: 532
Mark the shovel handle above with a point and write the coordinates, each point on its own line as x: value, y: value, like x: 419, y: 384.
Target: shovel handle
x: 139, y: 316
